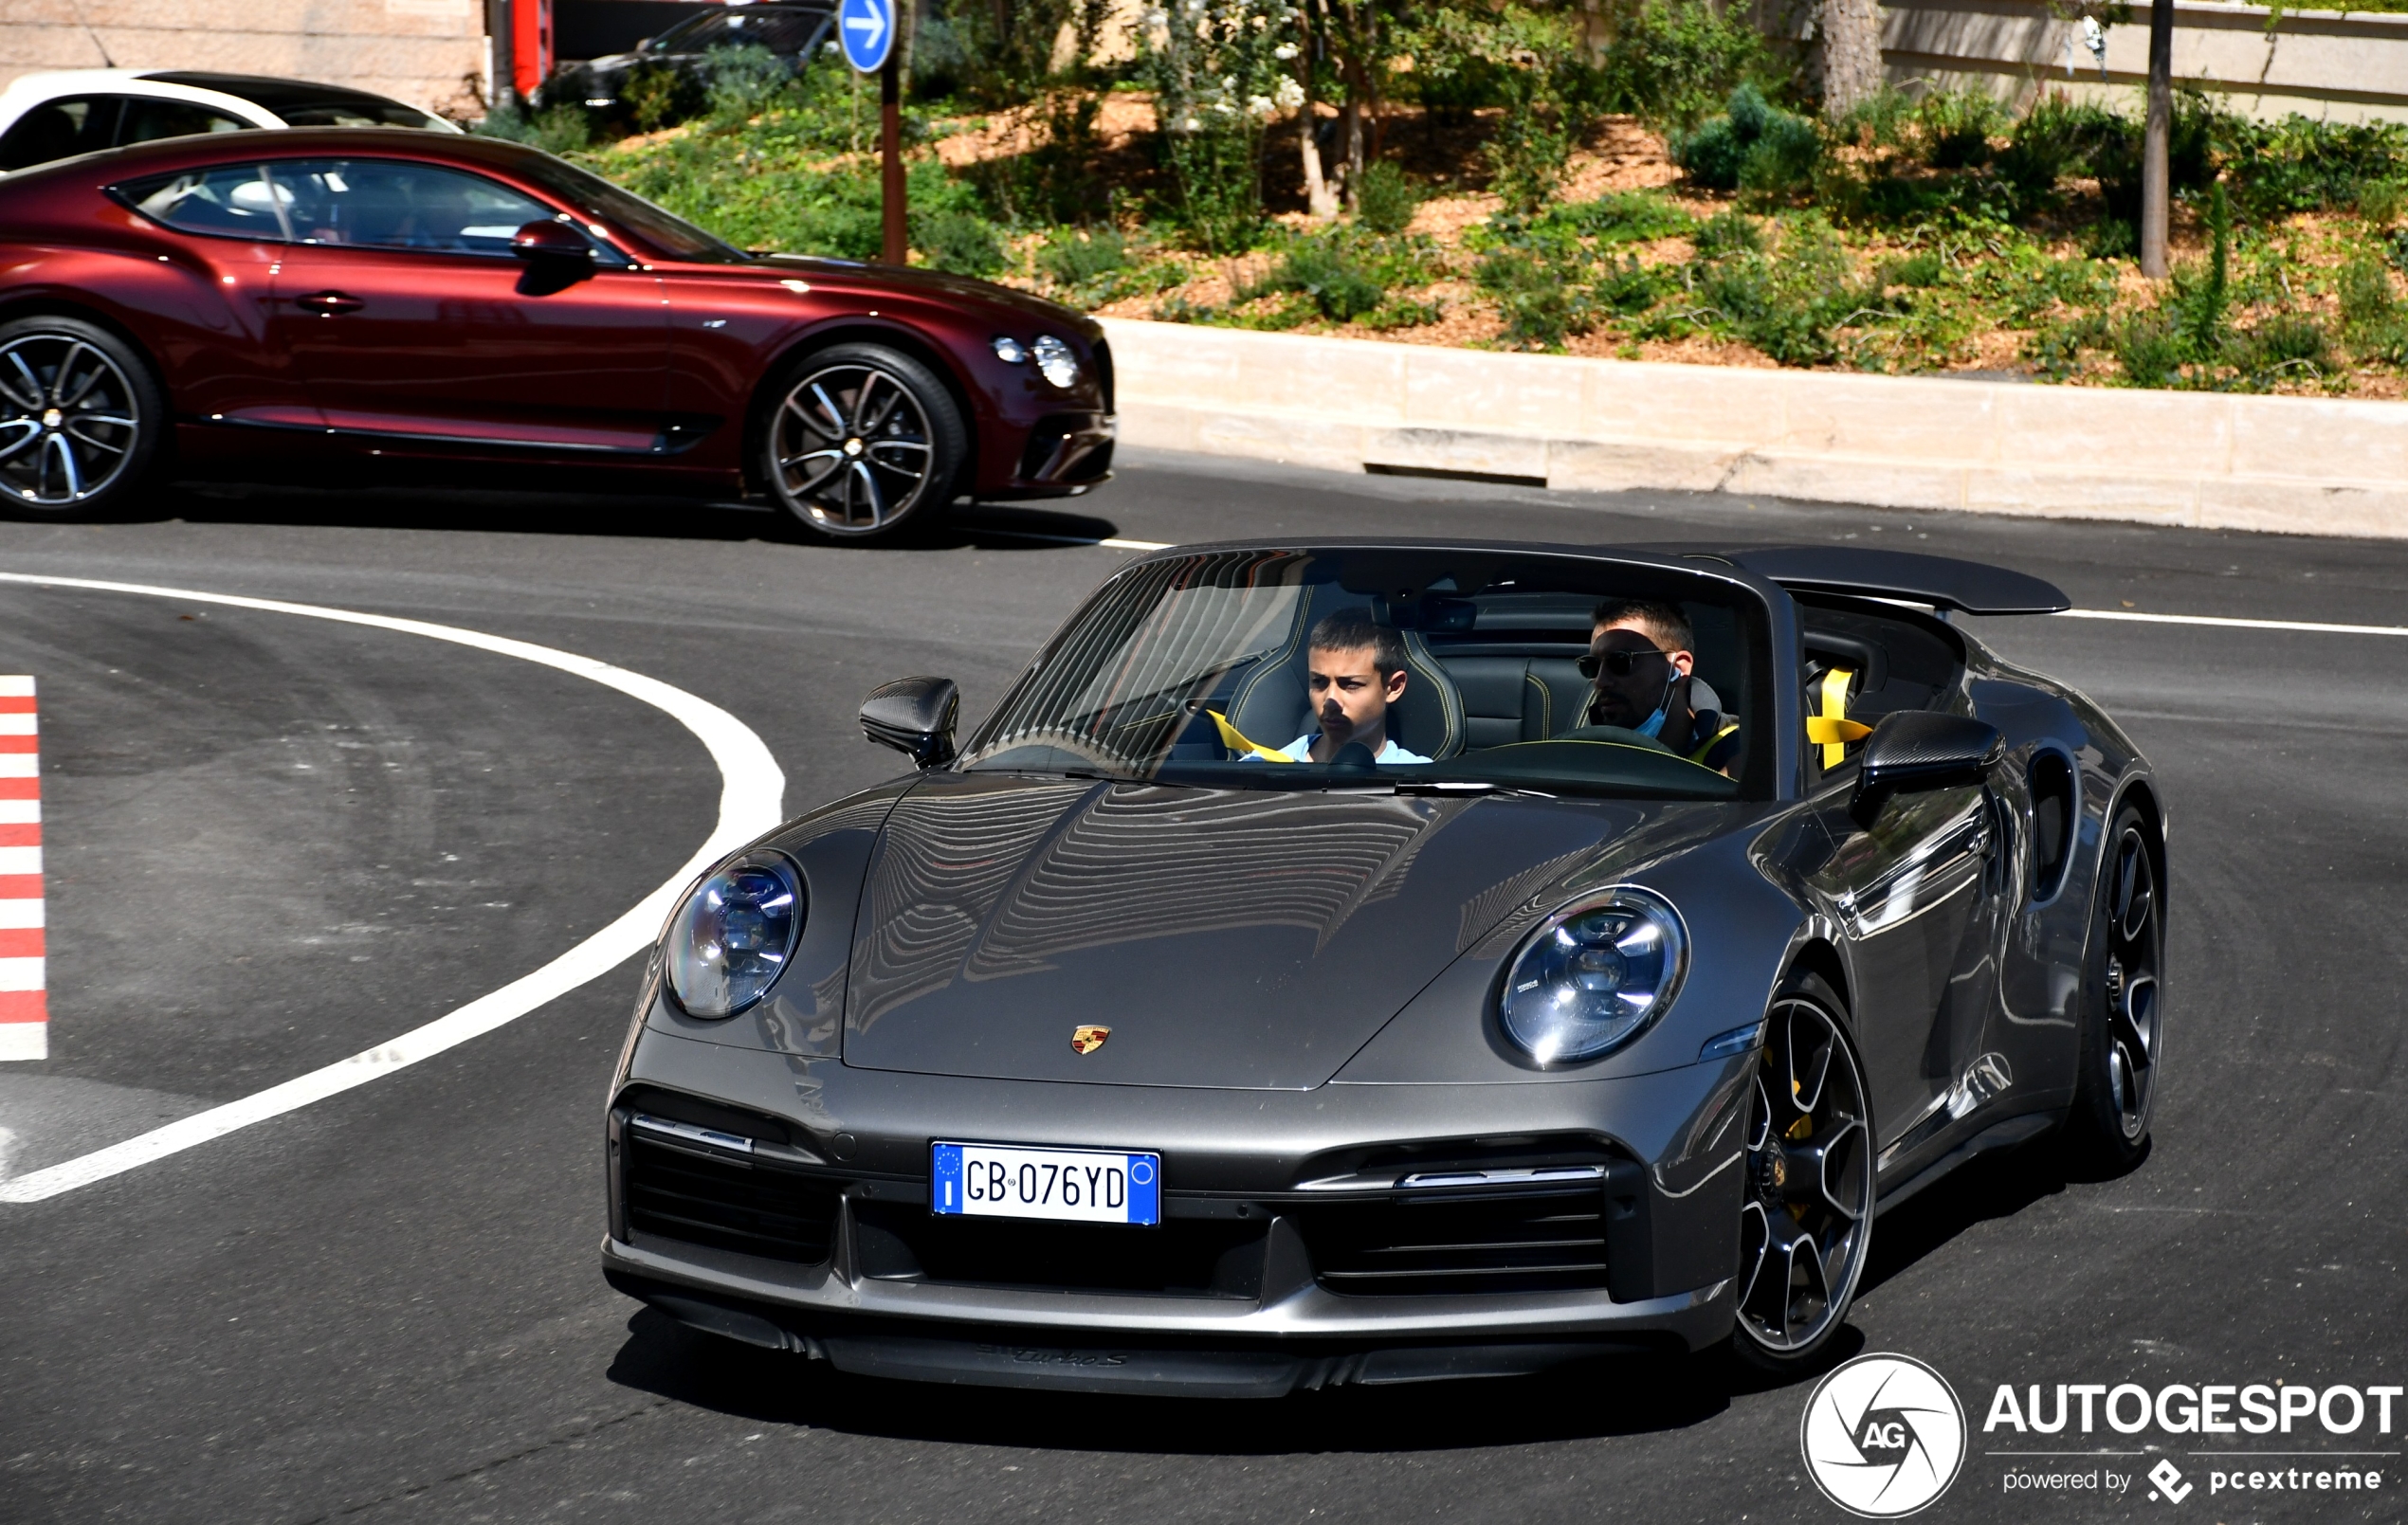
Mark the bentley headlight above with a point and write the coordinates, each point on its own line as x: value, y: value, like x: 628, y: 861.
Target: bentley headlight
x: 1055, y: 362
x: 1594, y: 976
x: 732, y: 940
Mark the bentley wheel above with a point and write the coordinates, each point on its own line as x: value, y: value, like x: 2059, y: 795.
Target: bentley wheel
x: 1807, y: 1213
x: 861, y: 440
x: 2122, y: 1017
x: 80, y: 418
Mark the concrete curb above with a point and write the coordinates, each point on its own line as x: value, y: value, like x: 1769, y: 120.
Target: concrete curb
x: 2290, y: 466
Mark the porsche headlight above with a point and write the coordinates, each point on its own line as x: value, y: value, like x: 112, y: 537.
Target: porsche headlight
x: 1055, y: 362
x: 732, y: 940
x: 1594, y: 975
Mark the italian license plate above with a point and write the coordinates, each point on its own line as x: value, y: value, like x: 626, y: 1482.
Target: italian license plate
x: 1085, y: 1186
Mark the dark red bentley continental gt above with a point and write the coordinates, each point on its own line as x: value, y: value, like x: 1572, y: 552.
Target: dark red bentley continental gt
x: 258, y: 305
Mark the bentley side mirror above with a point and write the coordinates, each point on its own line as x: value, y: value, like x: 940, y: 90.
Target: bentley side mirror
x: 545, y: 240
x: 1913, y: 751
x: 914, y: 716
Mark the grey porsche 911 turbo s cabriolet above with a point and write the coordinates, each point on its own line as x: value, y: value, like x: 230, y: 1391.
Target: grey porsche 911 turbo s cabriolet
x: 1618, y: 935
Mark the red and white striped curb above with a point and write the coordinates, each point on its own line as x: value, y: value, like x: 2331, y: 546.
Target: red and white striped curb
x: 24, y: 1013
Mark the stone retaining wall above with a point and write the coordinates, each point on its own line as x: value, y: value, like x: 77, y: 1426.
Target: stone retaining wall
x: 2293, y: 465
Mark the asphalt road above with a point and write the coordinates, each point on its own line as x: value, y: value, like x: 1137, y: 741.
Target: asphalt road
x: 273, y: 841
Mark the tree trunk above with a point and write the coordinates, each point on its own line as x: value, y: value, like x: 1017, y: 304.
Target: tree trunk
x: 1852, y: 54
x: 1317, y: 196
x: 2155, y: 141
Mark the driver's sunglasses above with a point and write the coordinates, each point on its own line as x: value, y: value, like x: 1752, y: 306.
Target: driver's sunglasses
x: 1618, y: 662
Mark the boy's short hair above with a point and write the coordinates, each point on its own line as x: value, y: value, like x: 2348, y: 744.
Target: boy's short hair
x: 1353, y: 629
x: 1664, y: 623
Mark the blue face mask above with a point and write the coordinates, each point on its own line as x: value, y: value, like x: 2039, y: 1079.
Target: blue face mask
x: 1654, y: 724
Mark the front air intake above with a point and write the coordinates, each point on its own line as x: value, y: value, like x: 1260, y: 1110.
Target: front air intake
x: 703, y: 1193
x: 1528, y: 1239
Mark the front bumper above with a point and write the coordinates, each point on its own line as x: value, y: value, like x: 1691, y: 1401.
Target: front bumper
x: 1254, y: 1291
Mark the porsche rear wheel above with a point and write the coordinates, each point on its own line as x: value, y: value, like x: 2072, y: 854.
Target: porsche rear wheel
x: 1806, y: 1218
x: 860, y: 440
x: 80, y: 419
x: 2123, y: 1010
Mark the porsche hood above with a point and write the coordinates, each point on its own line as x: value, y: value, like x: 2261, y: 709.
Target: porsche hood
x: 1243, y: 938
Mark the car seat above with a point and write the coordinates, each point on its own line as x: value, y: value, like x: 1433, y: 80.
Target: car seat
x: 1272, y: 706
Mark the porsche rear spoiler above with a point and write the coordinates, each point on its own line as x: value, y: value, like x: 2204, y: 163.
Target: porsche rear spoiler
x: 1943, y: 582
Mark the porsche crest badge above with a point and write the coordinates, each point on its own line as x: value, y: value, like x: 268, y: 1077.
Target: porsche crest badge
x: 1087, y: 1039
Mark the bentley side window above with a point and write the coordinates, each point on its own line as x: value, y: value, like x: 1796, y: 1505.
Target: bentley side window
x: 228, y: 201
x: 388, y: 204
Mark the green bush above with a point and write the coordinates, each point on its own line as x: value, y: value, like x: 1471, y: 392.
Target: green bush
x: 2380, y: 202
x: 961, y: 242
x: 1623, y: 217
x: 1084, y: 260
x: 1340, y: 287
x: 1924, y: 269
x: 1541, y: 305
x: 740, y: 84
x: 1956, y: 126
x: 2285, y: 342
x: 1674, y: 62
x: 1753, y: 144
x: 563, y: 128
x: 1385, y: 201
x: 2299, y: 164
x: 2149, y: 350
x: 1727, y: 232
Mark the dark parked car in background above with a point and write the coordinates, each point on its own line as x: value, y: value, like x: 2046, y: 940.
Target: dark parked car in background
x: 375, y: 301
x: 792, y: 31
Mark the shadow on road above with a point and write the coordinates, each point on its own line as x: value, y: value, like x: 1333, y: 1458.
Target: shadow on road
x: 982, y: 526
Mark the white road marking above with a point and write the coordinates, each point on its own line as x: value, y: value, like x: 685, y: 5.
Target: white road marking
x: 752, y: 795
x: 21, y: 973
x: 1113, y: 544
x: 2309, y: 626
x: 20, y: 859
x: 19, y: 812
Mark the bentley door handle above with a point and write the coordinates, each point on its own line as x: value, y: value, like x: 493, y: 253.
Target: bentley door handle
x: 327, y: 303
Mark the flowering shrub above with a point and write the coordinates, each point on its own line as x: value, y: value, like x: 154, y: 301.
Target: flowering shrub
x: 1220, y: 69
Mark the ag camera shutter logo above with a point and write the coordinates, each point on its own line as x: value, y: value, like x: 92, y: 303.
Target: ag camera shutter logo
x: 1883, y: 1436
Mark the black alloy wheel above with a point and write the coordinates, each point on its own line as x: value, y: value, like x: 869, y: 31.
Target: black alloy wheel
x: 1806, y: 1213
x: 861, y: 440
x: 2122, y: 1015
x: 80, y: 418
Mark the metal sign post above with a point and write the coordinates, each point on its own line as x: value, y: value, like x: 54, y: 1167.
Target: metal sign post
x: 865, y: 31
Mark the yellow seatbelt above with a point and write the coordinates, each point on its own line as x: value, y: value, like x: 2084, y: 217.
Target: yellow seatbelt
x: 1730, y: 728
x: 1831, y: 730
x: 1235, y: 741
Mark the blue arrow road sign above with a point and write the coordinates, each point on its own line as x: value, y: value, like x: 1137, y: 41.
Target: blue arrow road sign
x: 866, y: 30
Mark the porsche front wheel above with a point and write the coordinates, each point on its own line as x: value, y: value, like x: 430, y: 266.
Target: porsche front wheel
x: 80, y: 419
x: 860, y: 440
x: 1806, y: 1214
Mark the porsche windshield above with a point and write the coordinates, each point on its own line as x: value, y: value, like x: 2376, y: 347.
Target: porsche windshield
x: 1417, y: 668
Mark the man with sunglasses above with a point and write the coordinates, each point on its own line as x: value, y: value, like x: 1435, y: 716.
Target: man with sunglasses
x: 1641, y: 663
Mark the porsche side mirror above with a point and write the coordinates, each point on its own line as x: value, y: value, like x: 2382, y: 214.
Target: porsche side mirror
x: 545, y: 241
x: 1914, y: 751
x: 914, y: 716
